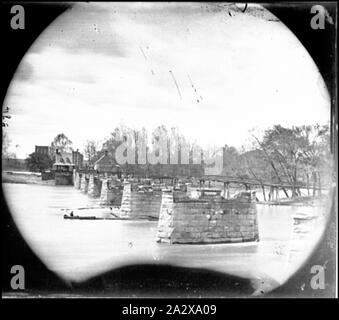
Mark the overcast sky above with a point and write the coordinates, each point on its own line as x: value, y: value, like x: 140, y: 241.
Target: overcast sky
x: 213, y: 74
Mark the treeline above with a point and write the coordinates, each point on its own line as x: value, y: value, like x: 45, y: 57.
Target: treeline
x: 294, y: 156
x: 286, y: 156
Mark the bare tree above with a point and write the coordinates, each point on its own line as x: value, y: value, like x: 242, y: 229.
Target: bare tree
x: 61, y: 143
x: 91, y: 151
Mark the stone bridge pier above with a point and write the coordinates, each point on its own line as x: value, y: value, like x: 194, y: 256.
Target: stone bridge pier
x: 139, y: 202
x: 77, y: 179
x: 104, y: 192
x: 125, y: 209
x: 84, y: 183
x: 165, y: 224
x: 111, y: 194
x: 94, y: 186
x: 207, y: 219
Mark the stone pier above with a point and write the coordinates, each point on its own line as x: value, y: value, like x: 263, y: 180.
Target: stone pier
x: 103, y: 193
x: 63, y: 178
x: 207, y: 219
x: 140, y: 202
x: 165, y: 224
x: 111, y: 193
x: 94, y: 186
x: 84, y: 183
x: 125, y: 209
x: 145, y: 202
x: 77, y: 180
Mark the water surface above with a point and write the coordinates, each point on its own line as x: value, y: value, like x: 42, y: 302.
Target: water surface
x: 80, y: 249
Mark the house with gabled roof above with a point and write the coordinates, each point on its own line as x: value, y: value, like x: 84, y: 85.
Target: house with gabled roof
x: 106, y: 164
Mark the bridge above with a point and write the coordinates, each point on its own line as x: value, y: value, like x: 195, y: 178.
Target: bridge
x: 274, y: 187
x: 254, y: 182
x: 245, y: 181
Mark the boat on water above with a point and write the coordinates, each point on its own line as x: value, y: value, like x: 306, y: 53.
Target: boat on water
x: 82, y: 218
x: 72, y: 217
x: 90, y: 213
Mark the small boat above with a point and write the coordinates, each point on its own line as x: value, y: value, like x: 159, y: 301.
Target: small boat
x: 113, y: 217
x: 82, y: 218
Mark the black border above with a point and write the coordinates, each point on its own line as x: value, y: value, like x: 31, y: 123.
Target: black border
x: 321, y: 44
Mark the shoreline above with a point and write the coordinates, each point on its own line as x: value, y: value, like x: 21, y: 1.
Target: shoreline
x: 23, y: 178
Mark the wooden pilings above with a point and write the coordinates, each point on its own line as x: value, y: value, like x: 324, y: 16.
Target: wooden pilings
x: 273, y: 195
x: 263, y: 192
x: 226, y: 190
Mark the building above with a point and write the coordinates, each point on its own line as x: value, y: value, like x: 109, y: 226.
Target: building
x: 65, y: 163
x: 77, y: 159
x: 74, y: 158
x: 107, y: 164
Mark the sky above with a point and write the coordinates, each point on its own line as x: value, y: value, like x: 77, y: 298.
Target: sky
x: 212, y: 73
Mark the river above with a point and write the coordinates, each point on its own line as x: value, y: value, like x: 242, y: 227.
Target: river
x: 80, y: 249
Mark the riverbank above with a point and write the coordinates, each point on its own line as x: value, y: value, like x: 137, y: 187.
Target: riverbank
x: 25, y: 177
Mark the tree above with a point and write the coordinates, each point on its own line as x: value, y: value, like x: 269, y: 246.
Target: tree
x: 5, y: 144
x: 296, y: 153
x: 61, y: 143
x: 285, y: 146
x: 161, y: 144
x: 38, y: 162
x: 115, y: 140
x: 140, y: 143
x: 231, y: 162
x: 178, y: 145
x: 317, y: 159
x: 254, y: 164
x: 91, y: 151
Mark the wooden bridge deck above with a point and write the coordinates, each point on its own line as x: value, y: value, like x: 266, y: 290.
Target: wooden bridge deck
x: 253, y: 182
